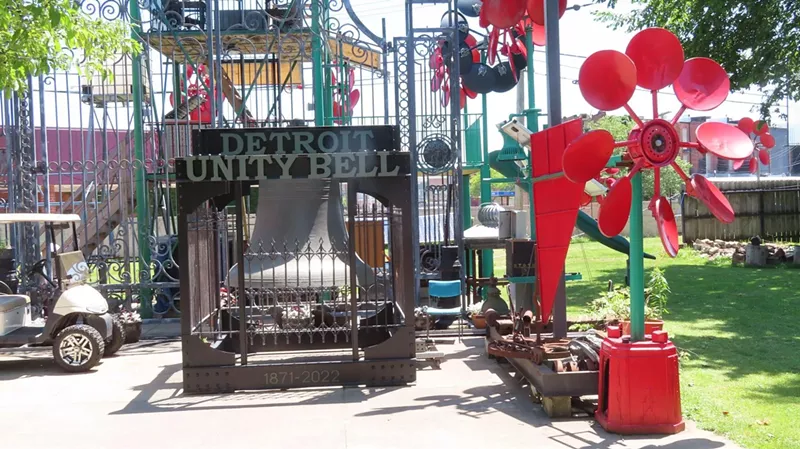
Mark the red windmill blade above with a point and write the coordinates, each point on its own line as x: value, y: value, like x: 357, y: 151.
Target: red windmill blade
x: 536, y: 10
x: 653, y: 60
x: 500, y: 18
x: 344, y: 105
x: 763, y: 141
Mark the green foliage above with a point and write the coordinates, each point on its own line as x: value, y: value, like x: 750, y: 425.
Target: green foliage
x: 671, y: 183
x: 656, y: 294
x: 39, y: 36
x: 620, y: 127
x: 475, y: 184
x: 615, y: 304
x: 580, y: 327
x: 756, y: 41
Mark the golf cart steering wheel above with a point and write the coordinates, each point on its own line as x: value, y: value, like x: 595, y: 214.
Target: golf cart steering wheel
x: 38, y: 268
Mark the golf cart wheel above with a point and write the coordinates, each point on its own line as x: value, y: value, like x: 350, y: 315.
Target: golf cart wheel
x: 117, y: 337
x: 78, y: 348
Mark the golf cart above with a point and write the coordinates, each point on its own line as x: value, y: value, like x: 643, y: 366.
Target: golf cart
x: 77, y: 323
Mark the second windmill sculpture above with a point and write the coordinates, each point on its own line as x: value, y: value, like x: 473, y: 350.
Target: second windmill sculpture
x: 653, y: 60
x: 763, y: 141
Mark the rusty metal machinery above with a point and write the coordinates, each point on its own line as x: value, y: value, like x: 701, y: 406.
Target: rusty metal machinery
x: 518, y: 336
x: 320, y: 294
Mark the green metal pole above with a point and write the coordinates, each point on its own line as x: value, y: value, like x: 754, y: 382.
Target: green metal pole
x: 531, y: 120
x: 327, y: 88
x: 143, y: 233
x: 466, y: 209
x: 317, y: 69
x: 465, y: 200
x: 177, y: 77
x: 532, y: 114
x: 486, y: 187
x: 637, y: 261
x: 466, y: 212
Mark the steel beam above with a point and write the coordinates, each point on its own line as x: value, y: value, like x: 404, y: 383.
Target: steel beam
x: 390, y: 372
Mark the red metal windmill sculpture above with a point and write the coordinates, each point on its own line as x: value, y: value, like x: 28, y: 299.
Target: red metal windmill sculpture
x: 763, y: 141
x: 653, y: 60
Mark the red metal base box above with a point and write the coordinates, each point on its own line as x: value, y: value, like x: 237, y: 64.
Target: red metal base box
x: 639, y: 390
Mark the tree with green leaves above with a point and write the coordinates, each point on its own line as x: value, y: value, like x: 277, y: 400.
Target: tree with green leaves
x: 756, y: 41
x: 475, y: 184
x: 40, y: 36
x: 620, y: 127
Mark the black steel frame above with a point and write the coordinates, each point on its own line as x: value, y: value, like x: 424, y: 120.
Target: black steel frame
x: 210, y: 368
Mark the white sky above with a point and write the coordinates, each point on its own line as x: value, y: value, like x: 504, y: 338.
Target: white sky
x: 580, y: 35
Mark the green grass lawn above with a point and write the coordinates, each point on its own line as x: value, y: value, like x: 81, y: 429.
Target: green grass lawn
x: 738, y: 331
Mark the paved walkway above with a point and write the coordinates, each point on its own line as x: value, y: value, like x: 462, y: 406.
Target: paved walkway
x: 134, y: 400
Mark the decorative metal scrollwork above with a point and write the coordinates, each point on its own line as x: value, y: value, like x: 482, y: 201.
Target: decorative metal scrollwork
x: 436, y: 154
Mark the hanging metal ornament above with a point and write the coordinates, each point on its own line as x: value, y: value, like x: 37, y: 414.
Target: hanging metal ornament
x: 519, y: 61
x: 470, y: 8
x: 507, y: 24
x: 461, y: 25
x: 505, y: 77
x: 607, y: 79
x: 467, y: 55
x: 481, y: 79
x: 440, y: 62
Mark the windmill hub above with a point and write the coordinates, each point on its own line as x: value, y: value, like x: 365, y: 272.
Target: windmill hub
x: 658, y: 142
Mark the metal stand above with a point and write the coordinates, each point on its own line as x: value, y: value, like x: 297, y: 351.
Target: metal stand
x: 359, y: 330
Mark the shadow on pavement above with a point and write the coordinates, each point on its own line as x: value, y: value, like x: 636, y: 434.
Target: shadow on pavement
x: 692, y: 443
x: 38, y: 361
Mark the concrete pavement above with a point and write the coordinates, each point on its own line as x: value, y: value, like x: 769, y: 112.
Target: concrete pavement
x: 134, y: 400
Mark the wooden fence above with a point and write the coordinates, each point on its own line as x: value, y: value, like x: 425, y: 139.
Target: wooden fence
x: 769, y: 208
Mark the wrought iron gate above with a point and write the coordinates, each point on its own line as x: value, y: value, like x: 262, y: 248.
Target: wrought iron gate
x: 430, y: 128
x: 106, y: 148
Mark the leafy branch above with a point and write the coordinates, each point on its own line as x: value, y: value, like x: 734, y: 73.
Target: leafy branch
x: 38, y: 37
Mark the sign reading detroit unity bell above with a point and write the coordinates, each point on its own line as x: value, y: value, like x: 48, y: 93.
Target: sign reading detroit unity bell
x: 252, y: 154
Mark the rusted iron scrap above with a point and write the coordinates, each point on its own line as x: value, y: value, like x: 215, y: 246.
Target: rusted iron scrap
x: 520, y: 344
x: 519, y: 347
x: 515, y: 348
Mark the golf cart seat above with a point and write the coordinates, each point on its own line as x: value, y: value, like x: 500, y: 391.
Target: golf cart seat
x: 11, y: 302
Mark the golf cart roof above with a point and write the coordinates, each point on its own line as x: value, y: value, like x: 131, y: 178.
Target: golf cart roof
x: 39, y: 218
